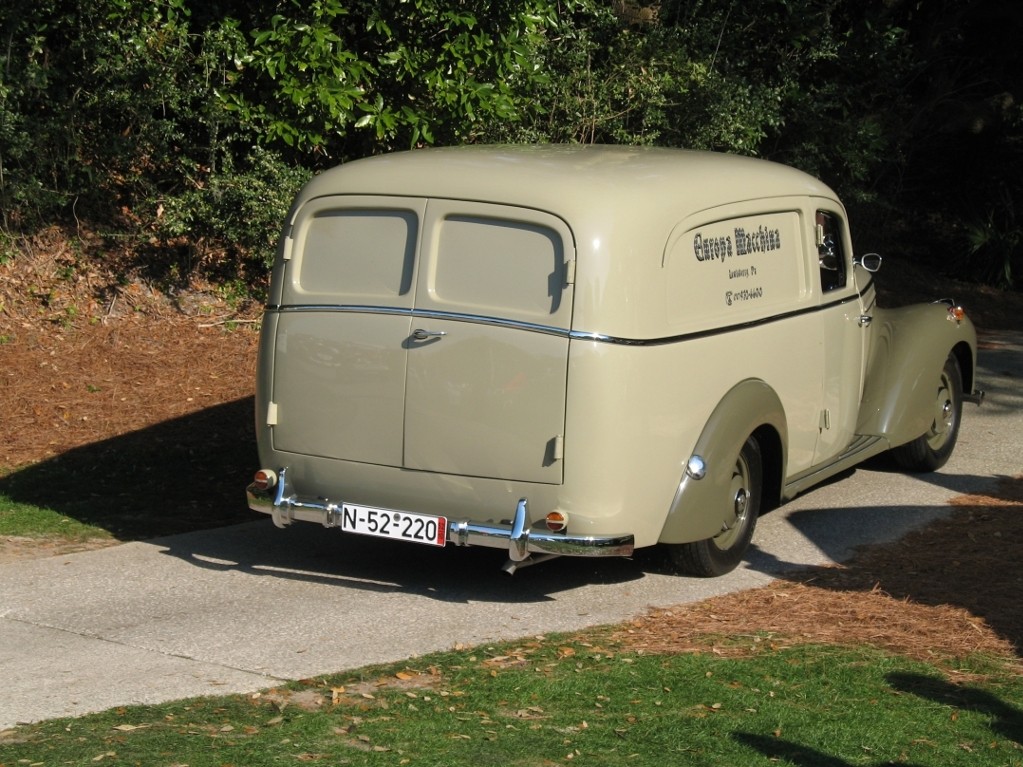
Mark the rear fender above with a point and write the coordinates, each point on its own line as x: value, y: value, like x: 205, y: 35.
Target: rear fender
x: 909, y: 347
x: 701, y: 505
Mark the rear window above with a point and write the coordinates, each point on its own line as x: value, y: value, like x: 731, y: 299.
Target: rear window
x: 496, y: 261
x: 433, y: 255
x: 499, y: 265
x: 353, y: 250
x: 359, y: 254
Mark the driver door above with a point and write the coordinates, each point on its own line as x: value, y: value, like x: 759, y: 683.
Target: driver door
x: 844, y: 322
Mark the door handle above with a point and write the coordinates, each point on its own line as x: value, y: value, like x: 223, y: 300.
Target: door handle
x: 421, y: 335
x: 865, y: 319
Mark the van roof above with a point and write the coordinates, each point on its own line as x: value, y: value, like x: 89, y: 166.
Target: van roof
x: 569, y: 179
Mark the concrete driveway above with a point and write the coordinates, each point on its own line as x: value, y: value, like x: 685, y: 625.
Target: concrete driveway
x: 243, y: 608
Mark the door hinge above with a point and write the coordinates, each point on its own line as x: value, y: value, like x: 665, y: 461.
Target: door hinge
x: 559, y: 447
x: 288, y: 242
x: 825, y: 420
x: 570, y: 272
x: 271, y: 414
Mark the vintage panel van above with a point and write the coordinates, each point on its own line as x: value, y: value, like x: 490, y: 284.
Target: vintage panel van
x: 581, y: 350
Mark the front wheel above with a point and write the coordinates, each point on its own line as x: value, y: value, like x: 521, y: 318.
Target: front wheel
x: 931, y: 450
x: 722, y: 553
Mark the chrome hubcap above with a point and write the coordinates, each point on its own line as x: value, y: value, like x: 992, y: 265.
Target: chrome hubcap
x: 741, y: 502
x: 740, y: 493
x: 944, y: 416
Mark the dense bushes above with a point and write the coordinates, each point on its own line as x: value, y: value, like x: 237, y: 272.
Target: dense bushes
x: 179, y: 120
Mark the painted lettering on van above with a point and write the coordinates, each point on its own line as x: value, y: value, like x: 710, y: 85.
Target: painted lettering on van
x: 746, y: 242
x: 712, y: 248
x: 740, y: 296
x: 759, y: 240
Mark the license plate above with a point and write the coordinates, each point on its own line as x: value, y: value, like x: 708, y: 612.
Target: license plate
x: 399, y: 525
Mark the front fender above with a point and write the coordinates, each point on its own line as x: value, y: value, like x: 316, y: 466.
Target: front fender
x: 702, y: 506
x: 908, y: 349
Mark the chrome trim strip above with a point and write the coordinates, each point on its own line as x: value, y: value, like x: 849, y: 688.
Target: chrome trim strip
x: 518, y: 539
x: 575, y: 335
x: 478, y: 319
x: 709, y: 333
x: 343, y: 308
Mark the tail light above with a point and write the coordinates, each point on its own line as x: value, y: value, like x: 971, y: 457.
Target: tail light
x: 557, y: 521
x: 264, y: 479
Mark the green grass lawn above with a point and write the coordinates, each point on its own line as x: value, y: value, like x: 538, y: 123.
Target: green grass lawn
x: 582, y: 700
x: 31, y: 521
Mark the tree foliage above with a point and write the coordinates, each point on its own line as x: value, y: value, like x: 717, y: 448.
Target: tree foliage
x: 335, y: 79
x: 196, y: 122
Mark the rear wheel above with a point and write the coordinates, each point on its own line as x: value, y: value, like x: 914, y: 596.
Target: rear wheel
x: 932, y: 449
x: 722, y: 553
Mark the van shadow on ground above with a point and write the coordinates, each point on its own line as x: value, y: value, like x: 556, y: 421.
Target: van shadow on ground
x: 168, y: 482
x: 185, y: 474
x: 189, y: 474
x: 309, y: 553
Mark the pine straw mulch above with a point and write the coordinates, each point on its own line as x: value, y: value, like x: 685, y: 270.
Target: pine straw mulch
x: 106, y: 377
x: 86, y: 356
x: 116, y: 387
x: 68, y: 389
x: 941, y: 593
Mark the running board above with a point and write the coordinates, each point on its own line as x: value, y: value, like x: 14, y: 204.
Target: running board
x: 861, y: 449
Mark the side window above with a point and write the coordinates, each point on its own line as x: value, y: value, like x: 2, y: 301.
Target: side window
x: 830, y: 253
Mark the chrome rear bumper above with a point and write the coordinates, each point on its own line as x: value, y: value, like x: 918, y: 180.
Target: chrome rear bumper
x: 516, y: 537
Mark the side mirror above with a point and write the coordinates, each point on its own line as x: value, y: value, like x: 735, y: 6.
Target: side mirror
x: 871, y: 262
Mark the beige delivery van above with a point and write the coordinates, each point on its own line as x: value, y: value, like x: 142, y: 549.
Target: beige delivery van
x: 580, y: 350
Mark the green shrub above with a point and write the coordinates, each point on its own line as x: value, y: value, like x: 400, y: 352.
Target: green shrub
x: 241, y: 209
x: 190, y: 120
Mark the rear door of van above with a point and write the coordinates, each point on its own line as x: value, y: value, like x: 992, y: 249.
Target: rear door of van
x: 427, y: 335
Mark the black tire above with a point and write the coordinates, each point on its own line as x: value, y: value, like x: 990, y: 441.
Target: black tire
x: 931, y: 450
x: 723, y: 553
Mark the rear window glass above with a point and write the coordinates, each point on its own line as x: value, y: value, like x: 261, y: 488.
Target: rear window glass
x: 497, y: 264
x: 358, y: 256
